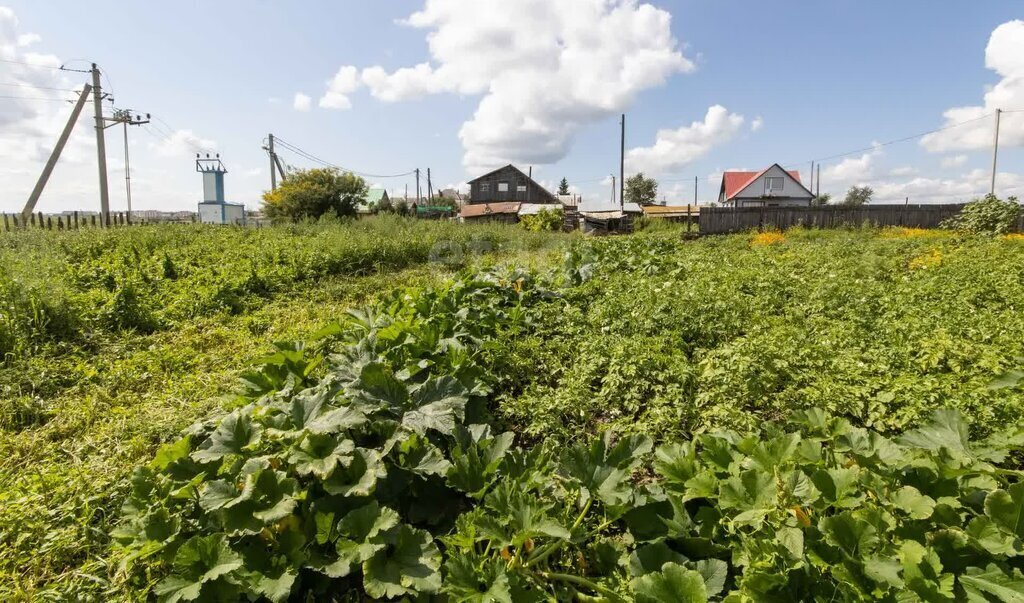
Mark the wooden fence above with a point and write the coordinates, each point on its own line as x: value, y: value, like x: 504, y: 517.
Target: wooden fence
x: 70, y: 221
x: 721, y: 220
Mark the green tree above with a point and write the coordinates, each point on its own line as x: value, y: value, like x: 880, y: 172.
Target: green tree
x: 821, y: 200
x: 314, y: 193
x: 640, y: 189
x: 858, y: 195
x: 563, y: 187
x: 384, y: 206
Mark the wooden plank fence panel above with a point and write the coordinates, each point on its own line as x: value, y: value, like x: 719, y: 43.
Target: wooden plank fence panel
x: 721, y: 220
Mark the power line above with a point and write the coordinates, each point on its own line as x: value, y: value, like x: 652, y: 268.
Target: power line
x: 889, y: 143
x: 24, y: 85
x: 29, y: 64
x: 323, y: 162
x: 41, y: 98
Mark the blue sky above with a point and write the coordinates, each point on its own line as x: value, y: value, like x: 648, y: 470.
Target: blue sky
x: 797, y: 81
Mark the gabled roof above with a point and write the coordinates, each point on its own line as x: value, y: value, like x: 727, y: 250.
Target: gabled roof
x: 374, y: 195
x: 734, y: 182
x: 477, y: 210
x: 549, y: 194
x: 499, y: 170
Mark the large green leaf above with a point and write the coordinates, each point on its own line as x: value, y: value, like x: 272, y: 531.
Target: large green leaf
x: 417, y: 454
x: 910, y: 500
x: 603, y: 468
x: 1004, y: 586
x: 377, y: 386
x: 673, y: 584
x: 1006, y: 509
x: 233, y: 435
x: 319, y: 454
x: 945, y: 429
x: 200, y: 560
x: 409, y: 565
x: 853, y: 536
x: 438, y: 404
x: 360, y: 477
x: 359, y: 535
x: 476, y: 458
x: 471, y: 580
x: 752, y: 494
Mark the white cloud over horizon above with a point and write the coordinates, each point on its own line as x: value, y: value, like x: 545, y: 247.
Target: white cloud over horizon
x: 675, y: 149
x: 1005, y: 56
x: 542, y: 77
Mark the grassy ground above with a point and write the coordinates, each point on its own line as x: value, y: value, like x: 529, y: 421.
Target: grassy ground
x: 84, y: 397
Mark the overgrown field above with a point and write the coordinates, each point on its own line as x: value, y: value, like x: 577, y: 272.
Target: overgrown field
x: 826, y: 416
x: 671, y: 339
x: 113, y: 341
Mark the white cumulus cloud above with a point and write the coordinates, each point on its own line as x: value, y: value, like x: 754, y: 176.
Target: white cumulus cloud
x: 1004, y: 55
x: 555, y: 68
x: 674, y: 149
x: 345, y: 82
x: 302, y: 102
x: 182, y: 143
x: 954, y: 161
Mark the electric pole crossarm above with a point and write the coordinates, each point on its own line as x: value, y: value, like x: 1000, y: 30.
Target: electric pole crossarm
x: 55, y: 155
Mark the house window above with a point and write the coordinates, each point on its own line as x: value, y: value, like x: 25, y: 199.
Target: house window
x: 485, y: 187
x: 503, y: 187
x: 773, y: 184
x: 521, y: 188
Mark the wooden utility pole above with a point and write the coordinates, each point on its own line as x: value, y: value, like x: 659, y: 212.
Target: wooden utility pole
x: 995, y: 153
x: 101, y: 145
x: 695, y: 180
x: 55, y: 155
x: 417, y: 185
x: 430, y: 188
x: 818, y: 180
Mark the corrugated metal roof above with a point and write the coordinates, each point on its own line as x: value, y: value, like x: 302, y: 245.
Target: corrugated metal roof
x: 476, y: 210
x: 629, y: 208
x: 529, y: 209
x: 375, y: 194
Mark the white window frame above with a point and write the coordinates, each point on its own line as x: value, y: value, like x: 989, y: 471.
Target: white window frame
x: 503, y: 187
x: 485, y: 187
x: 769, y: 189
x: 520, y: 188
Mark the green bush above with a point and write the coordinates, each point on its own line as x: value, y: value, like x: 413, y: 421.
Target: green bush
x: 987, y: 216
x: 545, y: 220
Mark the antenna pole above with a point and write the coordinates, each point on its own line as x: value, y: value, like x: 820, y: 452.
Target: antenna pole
x: 101, y: 145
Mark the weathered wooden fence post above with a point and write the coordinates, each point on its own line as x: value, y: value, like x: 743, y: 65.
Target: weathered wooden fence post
x: 7, y: 226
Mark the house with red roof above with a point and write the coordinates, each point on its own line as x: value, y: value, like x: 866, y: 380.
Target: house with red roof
x: 772, y: 187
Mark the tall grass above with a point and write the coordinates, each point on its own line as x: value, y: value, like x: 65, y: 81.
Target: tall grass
x: 68, y: 286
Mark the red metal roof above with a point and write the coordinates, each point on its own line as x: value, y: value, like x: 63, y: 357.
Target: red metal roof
x: 736, y: 181
x: 476, y: 210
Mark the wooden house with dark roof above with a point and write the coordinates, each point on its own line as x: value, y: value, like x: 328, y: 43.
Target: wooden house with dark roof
x: 508, y: 184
